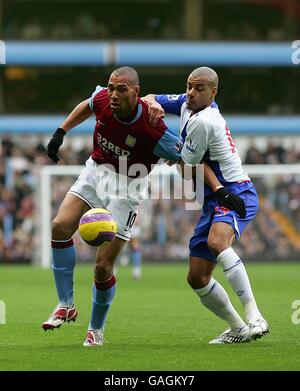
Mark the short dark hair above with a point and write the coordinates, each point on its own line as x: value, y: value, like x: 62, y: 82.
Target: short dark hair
x: 131, y: 73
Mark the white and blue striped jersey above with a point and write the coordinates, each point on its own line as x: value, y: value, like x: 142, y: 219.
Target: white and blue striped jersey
x: 206, y: 138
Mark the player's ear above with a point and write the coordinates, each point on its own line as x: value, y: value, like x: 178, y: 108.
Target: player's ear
x: 214, y: 91
x: 137, y: 90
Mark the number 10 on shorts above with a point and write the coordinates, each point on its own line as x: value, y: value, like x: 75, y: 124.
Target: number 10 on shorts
x: 131, y: 220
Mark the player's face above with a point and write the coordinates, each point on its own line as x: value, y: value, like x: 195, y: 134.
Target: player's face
x: 122, y: 96
x: 199, y: 93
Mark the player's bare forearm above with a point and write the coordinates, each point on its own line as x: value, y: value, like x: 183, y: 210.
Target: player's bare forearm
x: 77, y: 116
x: 210, y: 178
x: 223, y: 196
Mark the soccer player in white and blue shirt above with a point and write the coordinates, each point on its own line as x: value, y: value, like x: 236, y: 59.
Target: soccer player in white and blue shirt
x: 207, y: 139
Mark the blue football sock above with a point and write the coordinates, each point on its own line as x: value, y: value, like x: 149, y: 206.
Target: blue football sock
x: 103, y: 294
x: 63, y: 264
x: 136, y: 257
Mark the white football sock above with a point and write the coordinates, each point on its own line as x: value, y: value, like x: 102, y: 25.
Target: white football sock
x: 214, y: 297
x: 237, y: 276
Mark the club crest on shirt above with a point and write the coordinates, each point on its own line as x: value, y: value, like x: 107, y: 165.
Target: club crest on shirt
x: 172, y: 97
x: 191, y: 147
x: 221, y: 210
x: 130, y: 141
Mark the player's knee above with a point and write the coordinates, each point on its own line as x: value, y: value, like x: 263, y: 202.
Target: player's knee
x: 100, y: 268
x: 216, y: 245
x: 197, y: 281
x: 60, y: 231
x: 103, y: 269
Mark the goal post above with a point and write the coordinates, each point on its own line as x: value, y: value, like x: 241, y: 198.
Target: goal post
x: 47, y: 173
x: 43, y: 256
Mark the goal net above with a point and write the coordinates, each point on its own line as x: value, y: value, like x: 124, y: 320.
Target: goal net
x: 166, y: 225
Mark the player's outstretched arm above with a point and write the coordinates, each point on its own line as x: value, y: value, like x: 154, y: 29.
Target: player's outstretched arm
x: 78, y: 115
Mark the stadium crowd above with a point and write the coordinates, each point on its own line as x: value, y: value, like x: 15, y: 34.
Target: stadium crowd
x: 273, y: 153
x: 86, y: 27
x: 166, y: 227
x: 162, y: 21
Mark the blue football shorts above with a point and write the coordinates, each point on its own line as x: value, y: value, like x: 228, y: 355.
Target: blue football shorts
x: 214, y: 213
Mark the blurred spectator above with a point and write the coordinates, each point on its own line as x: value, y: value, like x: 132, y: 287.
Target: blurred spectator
x: 253, y: 155
x: 274, y: 153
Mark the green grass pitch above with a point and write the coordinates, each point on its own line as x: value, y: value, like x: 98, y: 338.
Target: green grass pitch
x: 156, y: 323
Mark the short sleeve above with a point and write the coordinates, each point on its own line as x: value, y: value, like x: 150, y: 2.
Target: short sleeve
x: 169, y: 146
x: 91, y: 101
x: 196, y: 142
x: 171, y: 103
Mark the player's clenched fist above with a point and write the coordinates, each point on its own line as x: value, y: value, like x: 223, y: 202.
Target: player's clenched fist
x: 231, y: 201
x: 155, y: 112
x: 54, y: 144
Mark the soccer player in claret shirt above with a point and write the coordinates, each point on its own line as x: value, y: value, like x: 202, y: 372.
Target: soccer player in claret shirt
x: 122, y: 133
x: 207, y: 138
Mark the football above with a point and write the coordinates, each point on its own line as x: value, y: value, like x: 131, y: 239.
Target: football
x: 97, y: 227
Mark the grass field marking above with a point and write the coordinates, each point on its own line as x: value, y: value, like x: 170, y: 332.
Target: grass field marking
x: 2, y: 312
x: 296, y: 314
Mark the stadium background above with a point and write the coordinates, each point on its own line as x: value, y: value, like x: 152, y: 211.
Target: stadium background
x: 56, y: 52
x: 39, y: 86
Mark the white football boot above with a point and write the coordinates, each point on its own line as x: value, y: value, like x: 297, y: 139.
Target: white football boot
x: 258, y: 328
x: 229, y: 336
x: 59, y: 316
x: 136, y: 273
x: 94, y: 338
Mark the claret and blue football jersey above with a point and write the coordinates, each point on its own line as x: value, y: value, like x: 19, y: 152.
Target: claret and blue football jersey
x: 136, y: 140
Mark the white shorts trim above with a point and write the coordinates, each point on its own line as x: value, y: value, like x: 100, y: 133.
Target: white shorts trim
x: 236, y: 227
x: 120, y: 236
x: 81, y: 197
